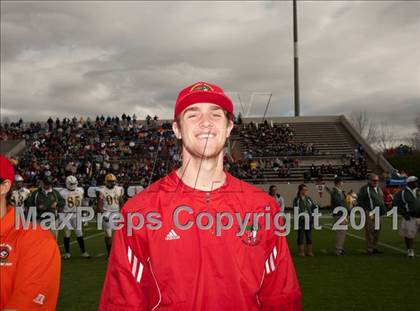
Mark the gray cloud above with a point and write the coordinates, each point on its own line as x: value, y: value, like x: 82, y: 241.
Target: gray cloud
x: 74, y: 58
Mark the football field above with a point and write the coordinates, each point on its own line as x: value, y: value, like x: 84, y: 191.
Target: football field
x: 389, y: 281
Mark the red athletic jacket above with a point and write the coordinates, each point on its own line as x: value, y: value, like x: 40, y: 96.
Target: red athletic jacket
x: 194, y: 269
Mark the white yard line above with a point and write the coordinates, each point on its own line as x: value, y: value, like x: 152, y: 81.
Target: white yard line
x: 400, y: 250
x: 85, y: 238
x: 329, y: 216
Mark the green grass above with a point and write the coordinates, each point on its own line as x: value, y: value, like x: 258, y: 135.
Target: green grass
x: 81, y: 279
x: 388, y: 281
x: 353, y: 282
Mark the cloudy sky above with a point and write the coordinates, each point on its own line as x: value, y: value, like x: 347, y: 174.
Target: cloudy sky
x: 78, y: 58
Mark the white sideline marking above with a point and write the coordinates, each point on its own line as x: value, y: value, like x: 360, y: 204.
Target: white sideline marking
x: 400, y: 250
x: 329, y: 216
x: 85, y: 238
x: 100, y: 255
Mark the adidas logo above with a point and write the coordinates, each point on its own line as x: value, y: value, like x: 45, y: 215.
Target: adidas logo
x: 172, y: 235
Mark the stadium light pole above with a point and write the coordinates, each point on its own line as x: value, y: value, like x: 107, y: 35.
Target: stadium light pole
x: 296, y: 60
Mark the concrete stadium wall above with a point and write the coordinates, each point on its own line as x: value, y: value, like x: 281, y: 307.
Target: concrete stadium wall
x: 288, y: 191
x: 332, y: 118
x: 301, y: 119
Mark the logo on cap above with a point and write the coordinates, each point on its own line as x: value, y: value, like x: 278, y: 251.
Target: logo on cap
x: 201, y: 87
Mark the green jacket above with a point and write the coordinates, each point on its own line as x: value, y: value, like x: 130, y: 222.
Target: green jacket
x: 408, y: 205
x: 305, y: 205
x: 369, y: 198
x: 43, y: 201
x: 338, y: 198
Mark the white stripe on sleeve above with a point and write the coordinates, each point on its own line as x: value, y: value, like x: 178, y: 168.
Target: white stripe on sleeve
x: 134, y: 267
x: 139, y: 273
x: 129, y: 254
x: 267, y: 268
x: 272, y: 262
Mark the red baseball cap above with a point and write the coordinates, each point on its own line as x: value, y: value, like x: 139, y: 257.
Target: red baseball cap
x: 203, y: 92
x: 6, y: 169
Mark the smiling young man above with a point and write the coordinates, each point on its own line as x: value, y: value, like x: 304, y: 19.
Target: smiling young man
x: 182, y: 265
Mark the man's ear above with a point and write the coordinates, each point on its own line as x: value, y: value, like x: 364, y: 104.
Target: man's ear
x: 229, y: 128
x: 176, y: 130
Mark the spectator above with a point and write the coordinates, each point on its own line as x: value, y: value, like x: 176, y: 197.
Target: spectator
x: 305, y: 206
x: 351, y: 199
x: 284, y: 172
x: 338, y: 200
x: 388, y: 198
x: 370, y: 196
x: 272, y: 191
x: 408, y: 203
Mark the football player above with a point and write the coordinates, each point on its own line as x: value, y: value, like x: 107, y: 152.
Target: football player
x: 110, y: 200
x: 20, y: 193
x: 73, y: 197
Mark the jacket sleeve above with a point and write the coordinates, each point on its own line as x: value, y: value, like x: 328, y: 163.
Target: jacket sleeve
x: 129, y: 283
x: 282, y: 204
x: 335, y: 199
x: 363, y: 199
x: 60, y: 200
x: 399, y: 203
x: 314, y: 205
x: 338, y: 199
x: 31, y: 200
x: 295, y: 203
x: 280, y: 289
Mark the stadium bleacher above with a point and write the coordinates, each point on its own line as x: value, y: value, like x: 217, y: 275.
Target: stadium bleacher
x: 129, y: 148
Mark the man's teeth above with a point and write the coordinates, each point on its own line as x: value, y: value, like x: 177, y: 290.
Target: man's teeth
x: 206, y: 136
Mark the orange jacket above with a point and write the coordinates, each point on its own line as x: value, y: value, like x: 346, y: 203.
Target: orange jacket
x: 29, y: 266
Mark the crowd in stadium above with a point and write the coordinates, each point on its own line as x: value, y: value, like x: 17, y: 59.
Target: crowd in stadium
x: 271, y: 139
x: 89, y: 149
x: 142, y: 152
x: 254, y: 168
x: 356, y: 168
